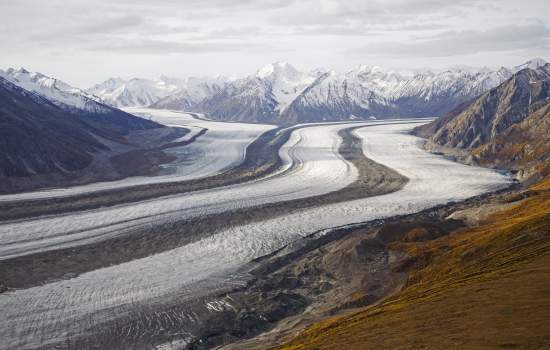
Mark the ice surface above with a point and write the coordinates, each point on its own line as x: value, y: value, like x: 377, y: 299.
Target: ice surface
x: 46, y: 313
x: 319, y: 169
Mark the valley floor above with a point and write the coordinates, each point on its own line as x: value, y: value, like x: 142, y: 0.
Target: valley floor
x: 202, y: 245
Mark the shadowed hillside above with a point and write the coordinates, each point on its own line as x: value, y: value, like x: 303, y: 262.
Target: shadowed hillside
x: 42, y: 144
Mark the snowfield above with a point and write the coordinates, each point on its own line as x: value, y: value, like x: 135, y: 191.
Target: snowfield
x: 46, y: 313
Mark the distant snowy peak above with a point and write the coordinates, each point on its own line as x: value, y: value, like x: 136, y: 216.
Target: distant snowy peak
x: 139, y: 92
x: 279, y: 70
x: 283, y: 82
x: 54, y: 90
x: 374, y: 82
x: 373, y: 90
x: 533, y: 64
x: 110, y: 84
x: 280, y: 93
x: 191, y: 91
x: 134, y: 92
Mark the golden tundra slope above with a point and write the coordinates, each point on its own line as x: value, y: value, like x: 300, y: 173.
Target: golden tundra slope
x: 482, y: 287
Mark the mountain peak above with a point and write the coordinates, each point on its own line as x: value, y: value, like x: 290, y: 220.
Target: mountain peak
x: 363, y: 68
x: 116, y: 79
x: 23, y: 74
x: 20, y: 70
x: 532, y: 64
x: 57, y: 91
x: 276, y: 68
x: 13, y: 71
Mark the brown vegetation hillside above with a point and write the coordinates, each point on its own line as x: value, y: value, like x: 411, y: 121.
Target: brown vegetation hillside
x: 482, y: 287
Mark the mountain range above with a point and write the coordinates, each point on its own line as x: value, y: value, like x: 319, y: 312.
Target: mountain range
x: 281, y: 94
x: 138, y: 92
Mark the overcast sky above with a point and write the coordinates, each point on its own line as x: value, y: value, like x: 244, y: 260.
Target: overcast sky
x: 87, y: 41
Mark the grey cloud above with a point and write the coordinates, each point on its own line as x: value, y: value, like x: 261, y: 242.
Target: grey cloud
x: 212, y: 4
x: 374, y: 30
x: 110, y: 25
x: 377, y: 12
x: 307, y: 32
x: 336, y: 30
x: 400, y: 27
x: 150, y: 46
x: 236, y: 32
x: 88, y: 27
x: 450, y: 43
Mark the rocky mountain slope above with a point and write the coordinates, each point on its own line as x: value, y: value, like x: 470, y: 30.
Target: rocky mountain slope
x: 46, y: 143
x: 506, y: 127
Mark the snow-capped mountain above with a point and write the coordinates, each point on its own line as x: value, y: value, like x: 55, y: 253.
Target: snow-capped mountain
x: 535, y: 63
x: 284, y: 82
x: 135, y: 92
x: 334, y: 96
x: 372, y: 91
x: 259, y: 97
x: 55, y: 90
x: 279, y: 93
x: 138, y: 92
x: 191, y: 91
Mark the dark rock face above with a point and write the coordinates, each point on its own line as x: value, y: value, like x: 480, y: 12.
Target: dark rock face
x: 507, y: 126
x: 38, y: 138
x: 494, y: 112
